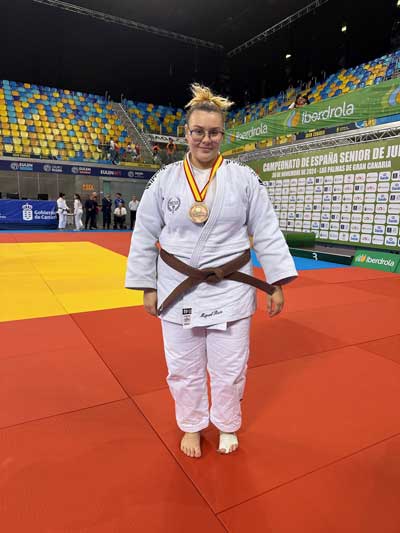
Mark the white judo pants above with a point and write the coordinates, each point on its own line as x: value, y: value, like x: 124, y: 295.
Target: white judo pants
x: 62, y: 220
x: 78, y: 220
x: 189, y: 354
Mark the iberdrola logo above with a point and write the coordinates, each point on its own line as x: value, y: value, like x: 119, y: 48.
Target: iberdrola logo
x: 394, y: 97
x: 361, y: 258
x: 294, y: 119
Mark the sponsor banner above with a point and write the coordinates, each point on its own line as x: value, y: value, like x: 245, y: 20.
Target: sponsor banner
x: 29, y: 213
x: 376, y: 260
x: 357, y: 106
x: 156, y: 137
x: 78, y: 170
x: 353, y: 183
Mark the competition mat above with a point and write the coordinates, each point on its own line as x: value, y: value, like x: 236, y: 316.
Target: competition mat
x: 88, y: 439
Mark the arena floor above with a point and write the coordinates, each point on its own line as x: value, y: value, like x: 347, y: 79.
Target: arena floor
x: 88, y: 438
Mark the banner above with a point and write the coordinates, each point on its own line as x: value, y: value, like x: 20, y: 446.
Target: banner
x: 345, y: 195
x: 376, y: 260
x: 76, y: 169
x: 359, y: 105
x: 29, y: 214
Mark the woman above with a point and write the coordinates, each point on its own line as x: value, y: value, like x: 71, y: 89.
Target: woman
x: 62, y: 210
x: 202, y: 210
x: 78, y: 212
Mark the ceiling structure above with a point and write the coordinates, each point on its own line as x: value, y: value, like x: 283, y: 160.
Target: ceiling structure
x: 47, y: 45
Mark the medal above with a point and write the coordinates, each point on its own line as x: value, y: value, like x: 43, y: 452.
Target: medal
x: 199, y: 211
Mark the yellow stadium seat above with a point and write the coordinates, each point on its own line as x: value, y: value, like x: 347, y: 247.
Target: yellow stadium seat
x: 8, y: 148
x: 45, y: 152
x: 37, y: 150
x: 71, y: 153
x: 54, y: 152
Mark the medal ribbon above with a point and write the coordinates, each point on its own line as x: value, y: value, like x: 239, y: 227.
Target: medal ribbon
x: 200, y: 195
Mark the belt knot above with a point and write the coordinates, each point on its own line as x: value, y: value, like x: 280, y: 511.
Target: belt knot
x: 213, y: 275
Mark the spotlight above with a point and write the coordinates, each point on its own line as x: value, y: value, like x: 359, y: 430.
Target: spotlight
x: 288, y: 56
x: 344, y: 27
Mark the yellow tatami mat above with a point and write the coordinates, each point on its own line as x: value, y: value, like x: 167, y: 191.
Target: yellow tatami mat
x: 48, y: 279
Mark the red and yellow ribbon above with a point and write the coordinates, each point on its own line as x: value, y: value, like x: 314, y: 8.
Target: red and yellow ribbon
x: 200, y: 195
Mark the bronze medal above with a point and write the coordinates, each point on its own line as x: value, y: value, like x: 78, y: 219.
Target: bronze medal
x: 199, y: 213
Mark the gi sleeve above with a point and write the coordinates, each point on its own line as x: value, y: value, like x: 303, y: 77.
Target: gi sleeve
x: 141, y: 270
x: 268, y: 241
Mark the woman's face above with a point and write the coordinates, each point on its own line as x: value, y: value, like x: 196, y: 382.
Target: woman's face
x: 204, y: 136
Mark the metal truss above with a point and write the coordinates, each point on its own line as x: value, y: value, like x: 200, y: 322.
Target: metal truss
x: 105, y: 17
x: 277, y: 27
x: 365, y: 135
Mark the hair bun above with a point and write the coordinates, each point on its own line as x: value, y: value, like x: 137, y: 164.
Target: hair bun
x: 204, y: 95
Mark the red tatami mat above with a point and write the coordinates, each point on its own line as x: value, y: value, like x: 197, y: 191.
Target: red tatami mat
x: 36, y: 335
x: 319, y: 445
x: 129, y: 341
x: 276, y: 339
x: 298, y: 416
x: 388, y: 347
x: 100, y: 470
x: 321, y: 295
x: 359, y: 494
x: 385, y: 287
x: 54, y: 381
x: 339, y: 275
x: 353, y: 323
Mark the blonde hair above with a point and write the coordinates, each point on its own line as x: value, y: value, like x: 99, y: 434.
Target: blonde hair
x: 205, y: 100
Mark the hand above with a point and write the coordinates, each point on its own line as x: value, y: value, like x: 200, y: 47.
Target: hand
x: 150, y: 301
x: 275, y: 302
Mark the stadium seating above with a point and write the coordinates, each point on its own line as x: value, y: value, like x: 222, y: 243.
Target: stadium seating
x: 342, y: 82
x: 155, y: 119
x: 52, y: 123
x: 61, y: 124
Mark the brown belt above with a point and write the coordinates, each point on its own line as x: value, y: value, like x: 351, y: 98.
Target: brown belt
x: 210, y: 275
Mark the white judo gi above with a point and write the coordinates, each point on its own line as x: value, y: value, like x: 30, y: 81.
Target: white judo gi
x: 62, y: 210
x: 78, y: 212
x: 208, y: 327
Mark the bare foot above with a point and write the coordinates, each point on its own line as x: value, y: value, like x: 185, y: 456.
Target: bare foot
x: 190, y: 444
x: 228, y: 442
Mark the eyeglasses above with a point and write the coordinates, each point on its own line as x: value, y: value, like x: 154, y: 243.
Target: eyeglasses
x: 198, y: 134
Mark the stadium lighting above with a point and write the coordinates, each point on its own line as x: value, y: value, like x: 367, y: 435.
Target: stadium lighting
x: 310, y: 8
x: 344, y: 27
x: 288, y: 56
x: 398, y: 3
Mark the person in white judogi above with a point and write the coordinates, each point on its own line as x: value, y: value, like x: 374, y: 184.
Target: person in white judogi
x: 202, y: 211
x: 62, y: 210
x: 78, y: 212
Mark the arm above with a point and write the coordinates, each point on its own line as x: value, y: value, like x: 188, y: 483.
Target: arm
x: 142, y: 260
x: 269, y: 243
